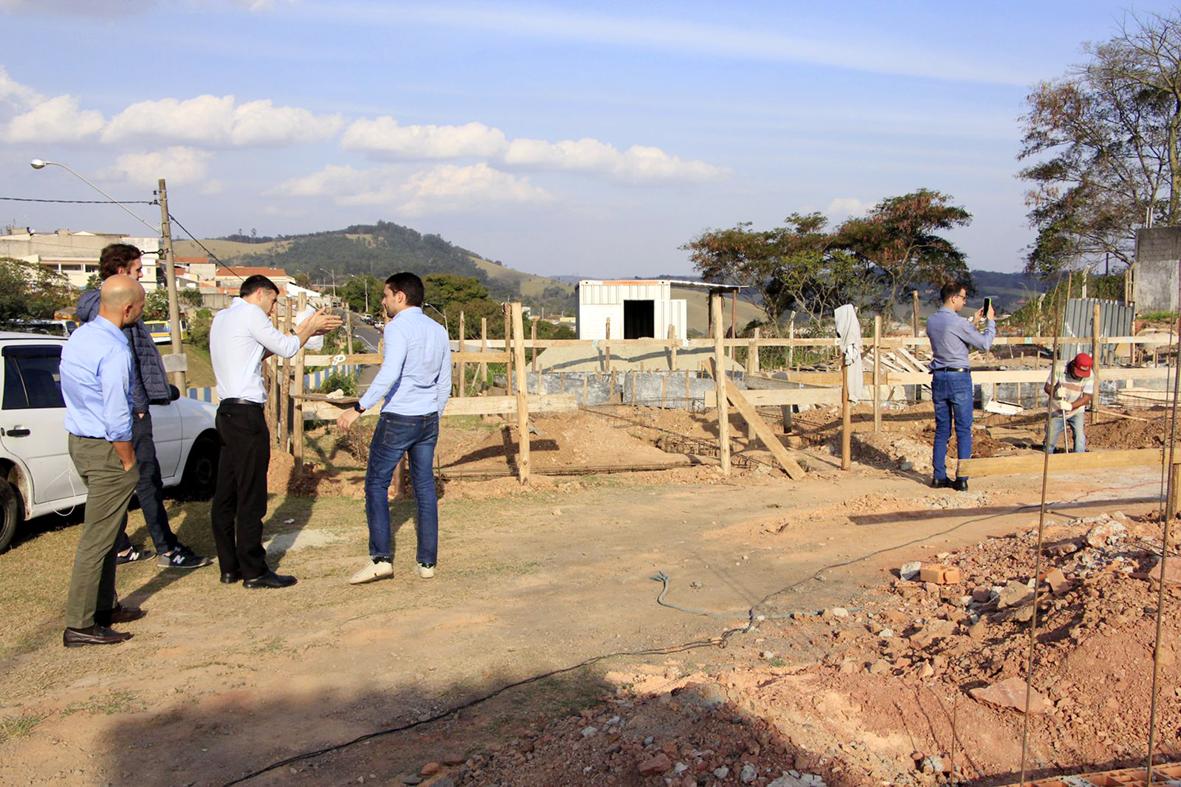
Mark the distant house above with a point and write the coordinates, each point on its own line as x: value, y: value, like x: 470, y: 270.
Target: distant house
x: 75, y: 254
x: 229, y: 279
x: 644, y: 308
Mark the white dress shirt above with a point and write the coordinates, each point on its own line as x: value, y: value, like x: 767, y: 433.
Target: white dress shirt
x: 238, y: 338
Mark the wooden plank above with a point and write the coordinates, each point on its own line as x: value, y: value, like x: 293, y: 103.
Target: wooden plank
x: 1020, y: 376
x: 522, y: 393
x: 720, y: 387
x: 471, y: 405
x: 296, y: 393
x: 1061, y: 463
x: 765, y: 434
x: 778, y: 397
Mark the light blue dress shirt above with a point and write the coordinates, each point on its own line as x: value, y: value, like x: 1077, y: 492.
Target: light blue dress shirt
x: 96, y: 377
x: 415, y: 375
x: 951, y: 335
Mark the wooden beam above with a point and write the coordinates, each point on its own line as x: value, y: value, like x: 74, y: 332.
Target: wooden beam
x: 758, y: 426
x: 778, y: 397
x: 846, y: 419
x: 1062, y: 463
x: 296, y: 393
x: 719, y: 359
x: 1008, y: 376
x: 522, y: 393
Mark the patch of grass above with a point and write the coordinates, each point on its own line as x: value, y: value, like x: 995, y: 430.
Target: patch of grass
x: 118, y: 701
x: 1158, y: 316
x: 19, y: 726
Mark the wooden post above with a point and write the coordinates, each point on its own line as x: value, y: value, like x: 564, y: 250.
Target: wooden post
x: 846, y: 419
x: 1096, y: 349
x: 914, y: 312
x: 285, y: 385
x: 533, y: 342
x: 297, y: 399
x: 483, y: 349
x: 462, y: 348
x: 877, y: 373
x: 791, y: 350
x: 720, y: 382
x: 508, y: 366
x: 607, y: 347
x: 733, y: 318
x: 672, y: 349
x: 273, y: 369
x: 752, y: 353
x: 518, y: 355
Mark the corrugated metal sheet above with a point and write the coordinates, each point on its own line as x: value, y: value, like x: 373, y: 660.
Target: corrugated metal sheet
x: 1115, y: 319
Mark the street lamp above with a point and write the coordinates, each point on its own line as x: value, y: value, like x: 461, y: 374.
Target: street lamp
x: 42, y: 164
x: 164, y: 231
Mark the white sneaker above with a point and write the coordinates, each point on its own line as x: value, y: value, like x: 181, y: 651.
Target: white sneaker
x: 425, y: 571
x: 382, y: 569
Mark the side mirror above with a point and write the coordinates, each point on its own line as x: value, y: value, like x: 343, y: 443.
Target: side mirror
x: 173, y: 393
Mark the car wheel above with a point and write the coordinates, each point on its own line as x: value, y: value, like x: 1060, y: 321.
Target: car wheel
x: 200, y: 476
x: 10, y: 513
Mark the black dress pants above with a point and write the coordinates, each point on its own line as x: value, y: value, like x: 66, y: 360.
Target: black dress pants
x: 240, y: 500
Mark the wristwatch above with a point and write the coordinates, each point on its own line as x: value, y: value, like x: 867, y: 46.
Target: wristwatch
x: 357, y: 406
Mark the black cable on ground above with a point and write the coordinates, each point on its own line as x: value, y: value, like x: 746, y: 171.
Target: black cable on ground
x: 721, y: 641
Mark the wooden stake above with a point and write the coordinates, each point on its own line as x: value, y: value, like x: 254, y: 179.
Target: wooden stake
x: 483, y: 349
x: 518, y: 355
x: 877, y: 373
x: 462, y: 347
x: 733, y: 318
x: 914, y: 311
x: 285, y: 387
x: 752, y: 361
x: 508, y: 367
x: 720, y: 382
x: 1096, y: 347
x: 672, y: 349
x: 271, y: 371
x: 297, y: 398
x: 846, y: 419
x: 607, y: 347
x: 791, y: 350
x: 533, y: 342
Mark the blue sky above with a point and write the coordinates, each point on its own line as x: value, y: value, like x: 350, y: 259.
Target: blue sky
x: 560, y: 138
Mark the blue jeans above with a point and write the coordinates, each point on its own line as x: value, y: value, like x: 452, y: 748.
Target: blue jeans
x: 396, y: 435
x: 952, y: 394
x: 1076, y: 426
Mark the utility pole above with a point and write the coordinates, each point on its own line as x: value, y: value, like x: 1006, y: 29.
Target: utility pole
x: 178, y: 377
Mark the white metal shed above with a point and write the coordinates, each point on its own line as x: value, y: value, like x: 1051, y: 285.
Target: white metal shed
x: 637, y: 308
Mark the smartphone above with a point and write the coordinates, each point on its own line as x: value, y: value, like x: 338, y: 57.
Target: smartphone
x: 987, y: 306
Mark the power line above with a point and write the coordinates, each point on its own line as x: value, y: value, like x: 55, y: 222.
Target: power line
x: 80, y: 201
x: 194, y: 239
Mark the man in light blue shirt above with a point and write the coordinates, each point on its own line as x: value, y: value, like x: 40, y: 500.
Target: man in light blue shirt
x: 96, y: 376
x: 413, y: 385
x: 951, y: 378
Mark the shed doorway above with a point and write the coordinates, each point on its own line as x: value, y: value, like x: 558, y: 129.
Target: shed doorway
x: 639, y: 319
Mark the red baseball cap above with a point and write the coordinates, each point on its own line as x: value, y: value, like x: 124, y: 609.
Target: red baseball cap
x: 1082, y: 365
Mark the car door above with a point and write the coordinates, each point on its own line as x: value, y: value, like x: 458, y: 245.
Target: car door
x: 167, y: 434
x: 33, y: 419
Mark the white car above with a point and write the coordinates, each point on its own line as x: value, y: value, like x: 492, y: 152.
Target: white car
x: 37, y: 476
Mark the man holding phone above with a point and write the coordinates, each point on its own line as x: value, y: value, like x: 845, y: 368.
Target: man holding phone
x: 951, y: 377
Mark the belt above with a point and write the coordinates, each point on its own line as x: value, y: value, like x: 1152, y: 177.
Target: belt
x: 946, y: 369
x: 233, y: 400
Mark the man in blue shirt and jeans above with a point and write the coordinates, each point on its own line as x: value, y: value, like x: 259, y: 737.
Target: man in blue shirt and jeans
x: 414, y: 383
x: 96, y: 380
x: 951, y: 377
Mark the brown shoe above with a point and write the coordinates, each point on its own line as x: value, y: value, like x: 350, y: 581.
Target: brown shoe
x: 120, y: 614
x: 93, y: 635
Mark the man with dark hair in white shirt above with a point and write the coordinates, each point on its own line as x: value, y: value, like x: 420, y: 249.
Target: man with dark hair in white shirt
x: 239, y: 339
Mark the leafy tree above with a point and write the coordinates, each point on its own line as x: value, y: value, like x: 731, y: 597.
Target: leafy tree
x: 447, y: 288
x: 199, y: 324
x: 302, y: 279
x: 1103, y: 146
x: 189, y: 297
x: 900, y: 239
x: 31, y: 292
x: 156, y: 305
x: 361, y: 291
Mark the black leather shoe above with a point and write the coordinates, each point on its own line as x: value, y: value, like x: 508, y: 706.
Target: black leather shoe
x: 942, y: 483
x: 93, y: 635
x: 270, y: 580
x: 960, y: 485
x: 120, y: 614
x: 230, y: 578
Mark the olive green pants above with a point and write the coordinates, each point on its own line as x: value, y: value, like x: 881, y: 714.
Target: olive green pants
x: 109, y: 489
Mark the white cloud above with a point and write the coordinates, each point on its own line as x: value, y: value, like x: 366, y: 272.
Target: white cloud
x: 214, y: 120
x: 446, y: 188
x: 384, y: 135
x: 179, y: 165
x: 14, y: 93
x: 842, y: 207
x: 58, y: 119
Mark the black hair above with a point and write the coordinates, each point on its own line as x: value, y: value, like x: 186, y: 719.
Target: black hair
x: 255, y: 283
x: 408, y: 284
x: 116, y: 256
x: 950, y: 289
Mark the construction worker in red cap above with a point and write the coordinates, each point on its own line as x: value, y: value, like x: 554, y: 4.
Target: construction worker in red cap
x: 1069, y: 396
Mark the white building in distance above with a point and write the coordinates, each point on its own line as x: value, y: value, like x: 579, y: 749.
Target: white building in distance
x: 75, y: 254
